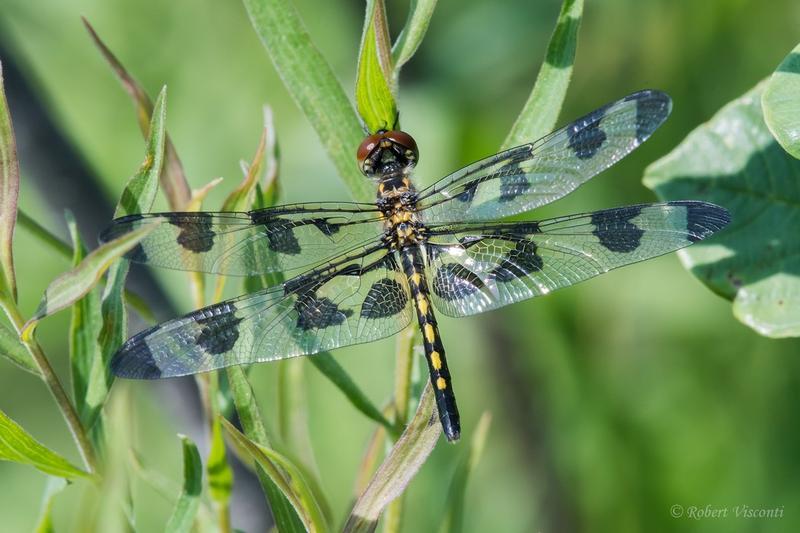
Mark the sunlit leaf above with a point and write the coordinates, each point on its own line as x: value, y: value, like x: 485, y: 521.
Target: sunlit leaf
x: 173, y: 178
x: 53, y: 486
x: 374, y: 98
x: 9, y: 193
x: 400, y: 466
x: 540, y: 113
x: 287, y: 476
x: 311, y: 82
x: 18, y: 446
x: 734, y: 161
x: 419, y: 17
x: 781, y: 103
x: 220, y: 475
x: 189, y: 499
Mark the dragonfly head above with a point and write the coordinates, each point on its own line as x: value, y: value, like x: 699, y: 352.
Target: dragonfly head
x: 386, y: 153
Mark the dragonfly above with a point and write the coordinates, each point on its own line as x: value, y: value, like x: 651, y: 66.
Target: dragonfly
x: 358, y: 272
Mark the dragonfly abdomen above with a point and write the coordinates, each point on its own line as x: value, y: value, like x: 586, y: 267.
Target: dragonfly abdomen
x: 413, y: 267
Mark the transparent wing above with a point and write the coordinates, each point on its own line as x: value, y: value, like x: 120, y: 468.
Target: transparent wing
x: 475, y: 268
x: 535, y: 174
x: 354, y: 300
x: 241, y: 244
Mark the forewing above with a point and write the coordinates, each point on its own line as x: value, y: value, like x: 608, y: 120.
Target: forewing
x: 242, y: 244
x: 529, y: 176
x: 475, y: 269
x: 357, y: 300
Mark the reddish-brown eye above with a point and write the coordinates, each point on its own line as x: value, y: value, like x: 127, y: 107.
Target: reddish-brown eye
x: 367, y: 146
x: 405, y: 140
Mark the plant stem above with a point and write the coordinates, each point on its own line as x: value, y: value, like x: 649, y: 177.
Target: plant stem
x: 52, y: 382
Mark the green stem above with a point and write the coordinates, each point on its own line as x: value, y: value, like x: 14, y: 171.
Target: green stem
x: 52, y: 382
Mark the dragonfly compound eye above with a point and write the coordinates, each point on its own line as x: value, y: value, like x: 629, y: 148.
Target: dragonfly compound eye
x: 365, y: 150
x: 406, y: 143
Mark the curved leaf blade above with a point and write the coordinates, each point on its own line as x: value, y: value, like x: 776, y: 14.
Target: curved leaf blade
x: 374, y: 98
x: 220, y: 475
x: 188, y: 502
x: 540, y: 112
x: 18, y: 446
x: 781, y: 103
x: 399, y: 467
x: 9, y: 194
x: 12, y: 349
x: 734, y: 161
x: 419, y: 17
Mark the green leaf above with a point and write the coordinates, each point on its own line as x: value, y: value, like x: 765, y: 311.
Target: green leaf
x: 399, y: 467
x: 313, y: 85
x: 540, y: 113
x: 419, y: 16
x: 188, y: 502
x: 51, y: 489
x: 173, y: 178
x: 70, y: 286
x: 9, y: 193
x: 454, y: 517
x: 287, y: 476
x: 241, y: 198
x: 374, y: 98
x: 83, y: 331
x: 12, y: 349
x: 18, y: 446
x: 781, y: 103
x: 286, y: 517
x: 734, y: 161
x: 220, y: 475
x: 325, y: 363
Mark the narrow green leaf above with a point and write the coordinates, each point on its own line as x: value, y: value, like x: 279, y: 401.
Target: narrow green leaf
x: 734, y: 161
x: 399, y: 467
x: 241, y: 198
x: 83, y: 331
x: 188, y: 502
x: 18, y: 446
x: 53, y: 486
x: 374, y: 98
x: 286, y: 517
x: 540, y: 113
x: 781, y: 103
x: 173, y: 178
x: 311, y: 82
x: 325, y: 363
x: 9, y: 193
x: 12, y: 349
x: 220, y: 475
x: 454, y: 517
x: 69, y: 287
x: 419, y: 17
x: 287, y: 476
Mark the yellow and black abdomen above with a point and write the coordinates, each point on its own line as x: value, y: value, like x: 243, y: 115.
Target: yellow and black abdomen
x: 414, y: 269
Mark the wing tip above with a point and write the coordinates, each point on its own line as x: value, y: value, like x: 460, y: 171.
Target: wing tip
x: 703, y: 219
x: 134, y: 360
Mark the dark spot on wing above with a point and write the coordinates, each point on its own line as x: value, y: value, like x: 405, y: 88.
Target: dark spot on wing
x: 454, y: 282
x: 518, y: 263
x: 469, y: 191
x: 278, y: 232
x: 326, y: 227
x: 135, y: 360
x: 385, y: 298
x: 196, y: 233
x: 615, y: 230
x: 703, y: 219
x: 513, y: 183
x: 219, y: 328
x: 317, y: 313
x: 137, y: 254
x: 585, y: 135
x: 652, y: 107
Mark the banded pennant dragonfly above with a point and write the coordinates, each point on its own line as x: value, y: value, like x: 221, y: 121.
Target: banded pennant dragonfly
x: 371, y: 269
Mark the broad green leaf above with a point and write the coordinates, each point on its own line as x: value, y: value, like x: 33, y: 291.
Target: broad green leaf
x: 53, y: 486
x: 18, y: 446
x: 781, y: 103
x: 374, y: 98
x: 12, y: 349
x: 69, y: 287
x: 734, y: 161
x: 220, y: 475
x: 419, y: 16
x: 83, y: 330
x: 311, y: 82
x: 188, y: 502
x: 399, y: 467
x: 325, y: 363
x: 454, y: 515
x: 173, y: 178
x: 286, y: 517
x: 287, y: 476
x: 9, y: 193
x: 540, y: 113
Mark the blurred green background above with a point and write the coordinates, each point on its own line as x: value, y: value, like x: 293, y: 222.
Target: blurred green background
x: 612, y: 401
